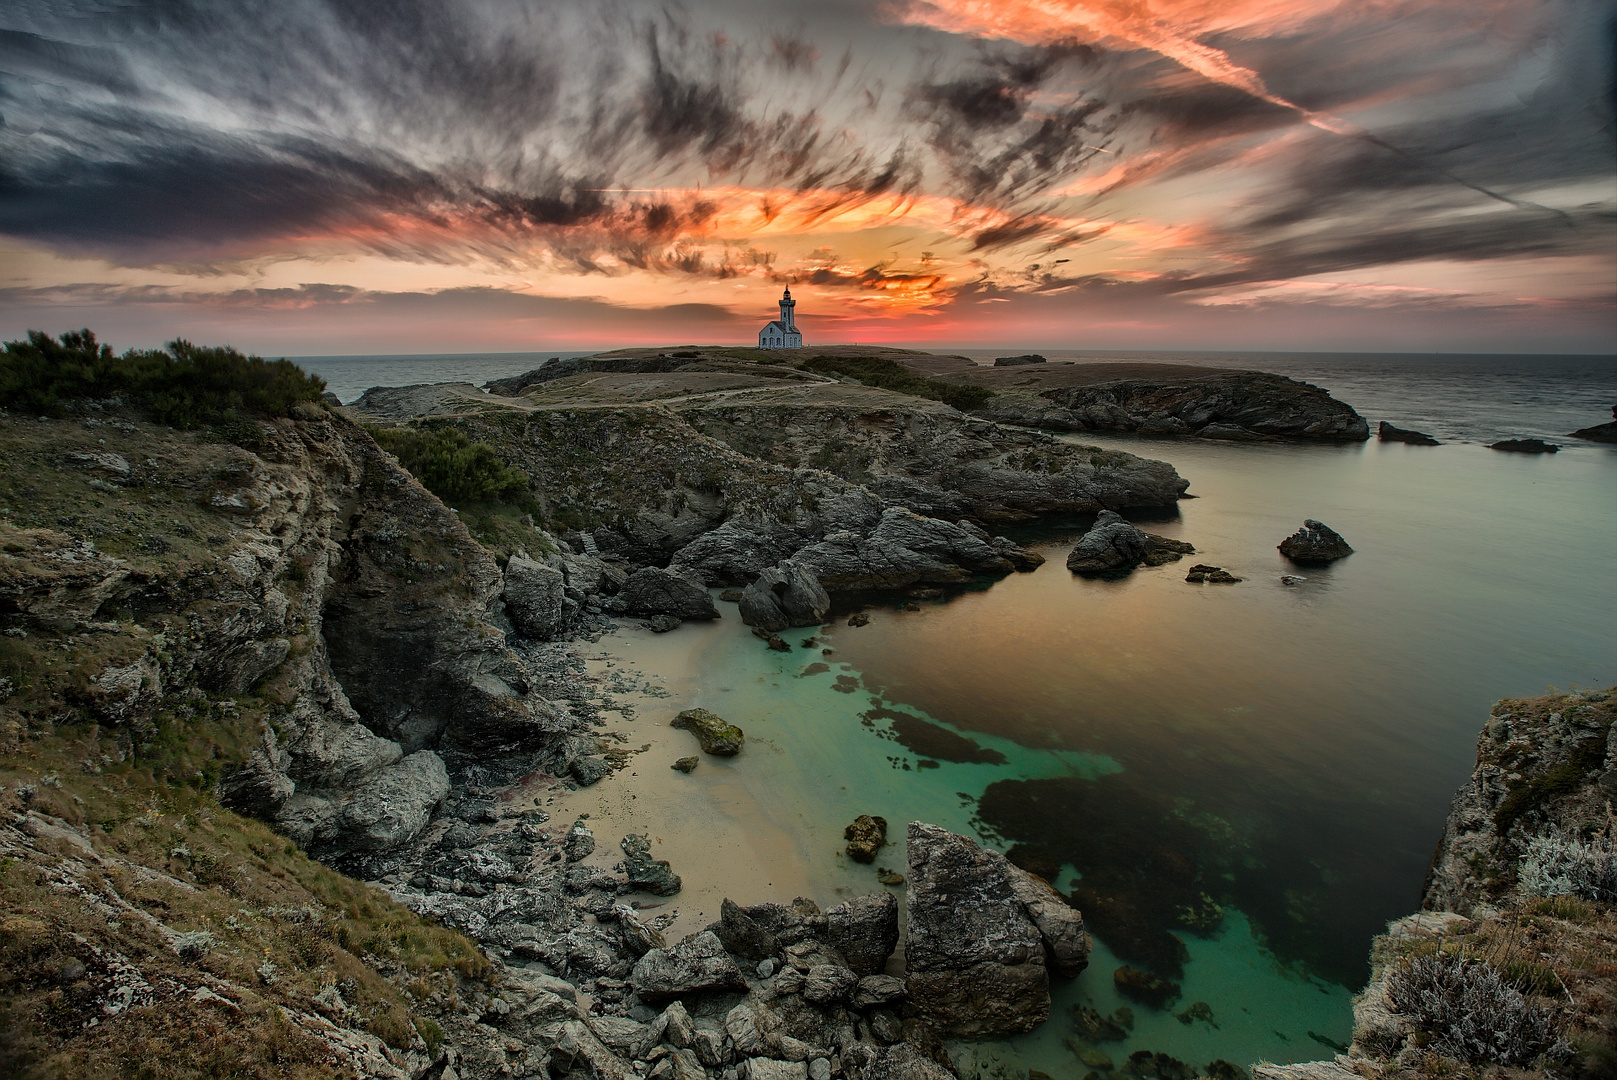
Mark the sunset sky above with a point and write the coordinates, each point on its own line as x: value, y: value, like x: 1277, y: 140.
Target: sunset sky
x: 302, y: 177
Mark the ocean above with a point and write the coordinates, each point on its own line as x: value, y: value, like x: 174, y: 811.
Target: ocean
x: 1241, y: 784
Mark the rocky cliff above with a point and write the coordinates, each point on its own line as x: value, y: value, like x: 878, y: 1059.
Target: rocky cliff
x: 1509, y: 968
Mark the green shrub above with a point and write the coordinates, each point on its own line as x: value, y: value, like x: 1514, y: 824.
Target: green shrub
x: 450, y: 465
x: 890, y: 375
x: 184, y: 385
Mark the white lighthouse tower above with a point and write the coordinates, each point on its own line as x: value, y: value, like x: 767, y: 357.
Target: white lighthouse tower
x: 782, y: 333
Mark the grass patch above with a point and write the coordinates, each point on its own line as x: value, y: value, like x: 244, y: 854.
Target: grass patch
x: 182, y: 385
x: 890, y: 375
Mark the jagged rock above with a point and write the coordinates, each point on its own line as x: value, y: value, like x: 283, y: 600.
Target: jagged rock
x: 1525, y: 446
x: 710, y: 1048
x: 1214, y: 575
x: 638, y: 938
x: 686, y: 764
x: 651, y: 590
x: 760, y: 1068
x: 859, y: 618
x: 741, y: 934
x: 662, y: 624
x: 1387, y: 433
x: 716, y: 735
x: 696, y: 965
x: 864, y: 930
x: 827, y: 984
x: 655, y: 876
x: 903, y: 1061
x: 875, y: 990
x: 580, y: 842
x: 976, y: 956
x: 589, y: 770
x: 1018, y: 361
x: 1110, y: 544
x: 741, y: 1025
x: 533, y: 597
x: 865, y: 837
x: 677, y: 1026
x: 784, y: 596
x: 1314, y: 543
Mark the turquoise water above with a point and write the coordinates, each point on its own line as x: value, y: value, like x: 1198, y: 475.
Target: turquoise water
x: 1290, y: 750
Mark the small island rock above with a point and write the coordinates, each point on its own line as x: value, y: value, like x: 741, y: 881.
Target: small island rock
x: 865, y: 837
x: 1018, y: 361
x: 1525, y: 446
x: 1112, y: 545
x: 718, y: 736
x: 1387, y: 433
x: 1315, y: 542
x: 1606, y: 433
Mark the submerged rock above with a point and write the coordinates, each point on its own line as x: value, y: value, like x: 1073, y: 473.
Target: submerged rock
x: 859, y: 618
x: 1525, y: 446
x: 1144, y: 987
x: 865, y: 837
x: 1387, y: 433
x: 718, y: 736
x: 1314, y: 543
x: 784, y: 596
x: 978, y: 969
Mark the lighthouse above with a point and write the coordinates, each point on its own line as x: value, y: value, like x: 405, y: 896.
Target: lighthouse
x: 782, y: 333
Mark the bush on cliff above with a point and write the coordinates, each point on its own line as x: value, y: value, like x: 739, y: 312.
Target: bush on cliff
x: 890, y: 375
x: 183, y: 385
x: 451, y: 466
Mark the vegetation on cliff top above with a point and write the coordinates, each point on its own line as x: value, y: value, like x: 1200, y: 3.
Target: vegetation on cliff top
x: 183, y: 385
x: 890, y: 375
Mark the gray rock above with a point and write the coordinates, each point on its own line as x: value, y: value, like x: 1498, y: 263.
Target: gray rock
x: 589, y: 770
x: 741, y: 934
x: 741, y: 1025
x: 651, y: 590
x: 655, y: 876
x: 975, y: 957
x: 784, y: 596
x: 766, y: 967
x: 760, y: 1068
x: 533, y: 597
x: 1315, y: 543
x: 1060, y: 925
x: 580, y: 842
x: 1110, y: 544
x: 819, y: 1069
x: 903, y: 1061
x: 864, y: 930
x: 828, y: 984
x: 875, y: 990
x: 662, y: 624
x: 710, y: 1048
x: 686, y: 764
x: 1387, y: 433
x: 677, y: 1026
x: 638, y: 938
x: 620, y: 1034
x: 696, y: 965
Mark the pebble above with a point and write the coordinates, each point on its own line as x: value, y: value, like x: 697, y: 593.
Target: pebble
x: 766, y: 968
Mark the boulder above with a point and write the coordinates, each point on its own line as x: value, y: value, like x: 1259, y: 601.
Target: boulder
x: 655, y: 876
x: 1525, y: 446
x: 1111, y: 544
x: 865, y: 931
x: 717, y: 736
x: 784, y: 596
x: 875, y: 990
x: 638, y: 938
x: 696, y: 965
x: 1213, y: 575
x: 579, y: 843
x: 741, y: 934
x: 686, y: 764
x: 1387, y: 433
x: 979, y: 933
x: 1604, y: 433
x: 829, y: 984
x: 1018, y: 361
x: 904, y: 1061
x: 1314, y: 543
x: 534, y: 597
x: 760, y: 1068
x: 865, y: 837
x: 651, y: 590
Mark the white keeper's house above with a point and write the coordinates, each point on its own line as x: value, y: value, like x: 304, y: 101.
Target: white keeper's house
x: 782, y: 333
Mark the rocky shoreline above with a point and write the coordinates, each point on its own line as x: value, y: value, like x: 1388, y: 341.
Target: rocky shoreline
x: 230, y: 650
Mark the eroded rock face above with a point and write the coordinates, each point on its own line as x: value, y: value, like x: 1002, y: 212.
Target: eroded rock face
x: 975, y: 955
x: 652, y: 590
x: 784, y: 596
x: 1314, y: 544
x: 534, y: 597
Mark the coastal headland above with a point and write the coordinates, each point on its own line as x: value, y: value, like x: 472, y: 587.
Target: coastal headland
x: 308, y: 764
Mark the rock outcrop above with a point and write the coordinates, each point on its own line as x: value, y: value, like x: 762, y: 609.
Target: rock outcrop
x: 784, y: 596
x: 1387, y: 433
x: 1019, y: 361
x: 1314, y: 544
x: 866, y: 836
x: 1113, y: 545
x: 535, y: 597
x: 1603, y: 433
x: 1525, y: 446
x: 1243, y: 404
x: 652, y: 590
x: 981, y: 936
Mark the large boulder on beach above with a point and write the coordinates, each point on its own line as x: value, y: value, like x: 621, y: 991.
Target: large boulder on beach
x: 717, y: 735
x: 696, y: 965
x: 534, y: 597
x: 655, y: 876
x: 784, y: 596
x: 864, y: 930
x: 652, y: 590
x: 1314, y: 543
x: 982, y: 935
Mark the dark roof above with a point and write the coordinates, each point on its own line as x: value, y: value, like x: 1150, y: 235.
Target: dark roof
x: 781, y: 326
